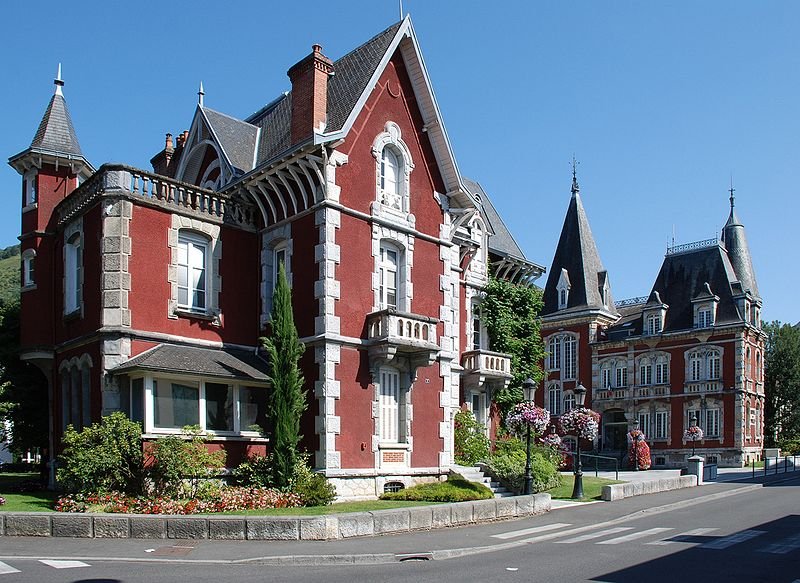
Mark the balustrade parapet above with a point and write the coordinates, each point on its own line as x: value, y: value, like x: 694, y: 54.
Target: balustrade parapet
x: 402, y: 328
x: 160, y: 191
x: 487, y: 363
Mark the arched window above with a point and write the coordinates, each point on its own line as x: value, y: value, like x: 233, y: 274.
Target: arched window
x: 569, y: 402
x: 696, y: 367
x: 570, y: 369
x: 759, y: 370
x: 713, y: 366
x: 563, y: 355
x: 662, y: 369
x: 393, y: 167
x: 478, y: 333
x: 554, y: 353
x: 614, y: 373
x: 390, y: 178
x: 28, y: 268
x: 645, y: 371
x: 554, y: 399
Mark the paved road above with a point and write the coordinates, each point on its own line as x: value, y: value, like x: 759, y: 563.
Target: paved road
x: 720, y: 532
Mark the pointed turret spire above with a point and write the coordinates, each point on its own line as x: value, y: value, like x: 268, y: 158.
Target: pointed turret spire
x: 56, y: 133
x: 200, y: 95
x: 58, y: 82
x: 735, y: 241
x: 577, y: 262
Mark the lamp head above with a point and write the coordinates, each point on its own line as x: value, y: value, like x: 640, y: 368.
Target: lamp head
x: 529, y: 388
x: 580, y: 395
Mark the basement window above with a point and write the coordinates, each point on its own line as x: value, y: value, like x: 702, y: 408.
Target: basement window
x: 390, y: 487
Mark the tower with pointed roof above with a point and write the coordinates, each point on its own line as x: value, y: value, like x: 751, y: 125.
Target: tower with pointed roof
x: 577, y: 305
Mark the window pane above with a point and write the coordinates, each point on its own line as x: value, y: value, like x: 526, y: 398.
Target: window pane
x: 253, y: 409
x: 176, y: 405
x: 390, y: 406
x: 219, y: 407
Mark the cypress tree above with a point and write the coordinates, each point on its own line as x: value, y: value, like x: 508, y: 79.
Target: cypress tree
x: 288, y: 399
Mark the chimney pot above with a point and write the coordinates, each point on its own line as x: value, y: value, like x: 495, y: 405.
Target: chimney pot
x: 309, y: 79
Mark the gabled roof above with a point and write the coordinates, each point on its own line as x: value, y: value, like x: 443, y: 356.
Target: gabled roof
x: 237, y: 138
x: 501, y: 241
x: 227, y: 363
x: 577, y: 254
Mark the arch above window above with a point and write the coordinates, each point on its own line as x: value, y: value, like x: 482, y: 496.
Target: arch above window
x: 393, y: 169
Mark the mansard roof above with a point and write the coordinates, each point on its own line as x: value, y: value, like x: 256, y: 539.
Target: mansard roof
x: 233, y: 363
x: 577, y: 254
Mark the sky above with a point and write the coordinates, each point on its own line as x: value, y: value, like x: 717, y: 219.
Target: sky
x: 662, y: 103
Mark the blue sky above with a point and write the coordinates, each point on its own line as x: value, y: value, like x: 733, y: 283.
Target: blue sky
x: 660, y: 102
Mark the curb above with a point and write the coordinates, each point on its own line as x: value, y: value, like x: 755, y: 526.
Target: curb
x: 614, y: 492
x: 312, y: 528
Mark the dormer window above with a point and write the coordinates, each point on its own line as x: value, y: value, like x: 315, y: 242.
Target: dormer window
x: 705, y: 317
x: 705, y: 307
x: 653, y: 324
x: 562, y: 288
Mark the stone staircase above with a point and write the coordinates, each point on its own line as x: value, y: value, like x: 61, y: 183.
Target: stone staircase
x: 476, y: 474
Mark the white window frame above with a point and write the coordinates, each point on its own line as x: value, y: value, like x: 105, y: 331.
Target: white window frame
x: 554, y: 353
x: 479, y: 408
x: 654, y: 324
x: 478, y: 334
x: 662, y: 370
x: 388, y: 271
x: 605, y: 375
x: 202, y: 412
x: 391, y: 405
x: 554, y: 396
x: 620, y: 376
x: 713, y: 424
x: 191, y: 240
x: 73, y: 271
x: 661, y: 425
x: 570, y: 355
x: 646, y: 371
x: 644, y: 423
x: 31, y: 190
x: 705, y: 316
x: 28, y: 269
x: 394, y: 203
x: 570, y: 401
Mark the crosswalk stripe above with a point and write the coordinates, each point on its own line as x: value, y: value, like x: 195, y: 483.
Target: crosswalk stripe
x: 677, y: 538
x: 633, y: 536
x: 6, y: 569
x: 527, y: 531
x: 590, y: 536
x: 63, y: 564
x: 783, y: 547
x: 729, y: 541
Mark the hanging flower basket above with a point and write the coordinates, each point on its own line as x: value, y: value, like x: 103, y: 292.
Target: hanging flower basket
x: 526, y: 415
x: 551, y: 440
x: 581, y: 422
x: 638, y: 448
x: 693, y: 434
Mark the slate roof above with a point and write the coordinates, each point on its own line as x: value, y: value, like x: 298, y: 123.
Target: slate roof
x: 577, y: 253
x: 237, y: 138
x: 739, y: 252
x: 227, y: 363
x: 501, y: 241
x: 352, y: 73
x: 56, y: 132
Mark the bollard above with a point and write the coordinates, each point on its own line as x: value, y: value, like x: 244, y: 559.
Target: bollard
x: 696, y: 467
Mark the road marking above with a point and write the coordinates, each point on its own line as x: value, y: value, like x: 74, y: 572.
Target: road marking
x: 6, y: 569
x: 527, y: 531
x: 729, y: 541
x: 64, y: 564
x: 783, y: 547
x: 633, y: 536
x: 678, y: 538
x: 590, y: 536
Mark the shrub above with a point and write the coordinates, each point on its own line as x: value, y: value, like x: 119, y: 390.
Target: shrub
x: 790, y: 446
x: 313, y: 488
x: 455, y: 489
x: 255, y: 471
x: 103, y: 457
x: 471, y: 443
x: 179, y: 464
x: 507, y: 464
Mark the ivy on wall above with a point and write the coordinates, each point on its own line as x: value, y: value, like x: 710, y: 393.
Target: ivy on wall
x: 510, y: 313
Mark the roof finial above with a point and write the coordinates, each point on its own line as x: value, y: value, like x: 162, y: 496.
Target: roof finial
x: 575, y: 188
x: 58, y: 81
x: 401, y: 9
x: 200, y: 95
x: 732, y: 190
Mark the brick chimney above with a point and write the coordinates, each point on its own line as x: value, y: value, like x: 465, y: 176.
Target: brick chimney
x: 309, y: 80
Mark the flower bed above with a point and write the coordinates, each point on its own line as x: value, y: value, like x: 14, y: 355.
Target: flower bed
x: 227, y: 500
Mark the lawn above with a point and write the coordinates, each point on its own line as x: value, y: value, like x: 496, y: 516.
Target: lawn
x: 24, y: 501
x: 592, y: 488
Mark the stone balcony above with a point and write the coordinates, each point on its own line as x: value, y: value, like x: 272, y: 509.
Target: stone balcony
x: 651, y: 391
x: 617, y: 394
x: 392, y: 334
x: 482, y: 366
x: 703, y: 387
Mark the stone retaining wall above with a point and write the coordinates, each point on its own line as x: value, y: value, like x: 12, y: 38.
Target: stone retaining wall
x: 619, y: 491
x: 334, y: 526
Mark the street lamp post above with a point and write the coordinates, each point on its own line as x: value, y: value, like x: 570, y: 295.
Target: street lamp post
x: 636, y: 445
x: 577, y: 489
x: 528, y: 386
x: 693, y: 423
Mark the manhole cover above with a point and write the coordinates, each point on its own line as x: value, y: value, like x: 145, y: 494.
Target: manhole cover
x: 172, y: 551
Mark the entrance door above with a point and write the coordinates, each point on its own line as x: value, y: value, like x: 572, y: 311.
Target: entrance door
x: 615, y: 430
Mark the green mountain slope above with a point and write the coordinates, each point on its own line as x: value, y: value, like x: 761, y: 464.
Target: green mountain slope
x: 9, y: 275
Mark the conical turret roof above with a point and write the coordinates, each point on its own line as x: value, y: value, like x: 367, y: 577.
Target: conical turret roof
x: 735, y: 241
x: 577, y: 255
x: 56, y: 132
